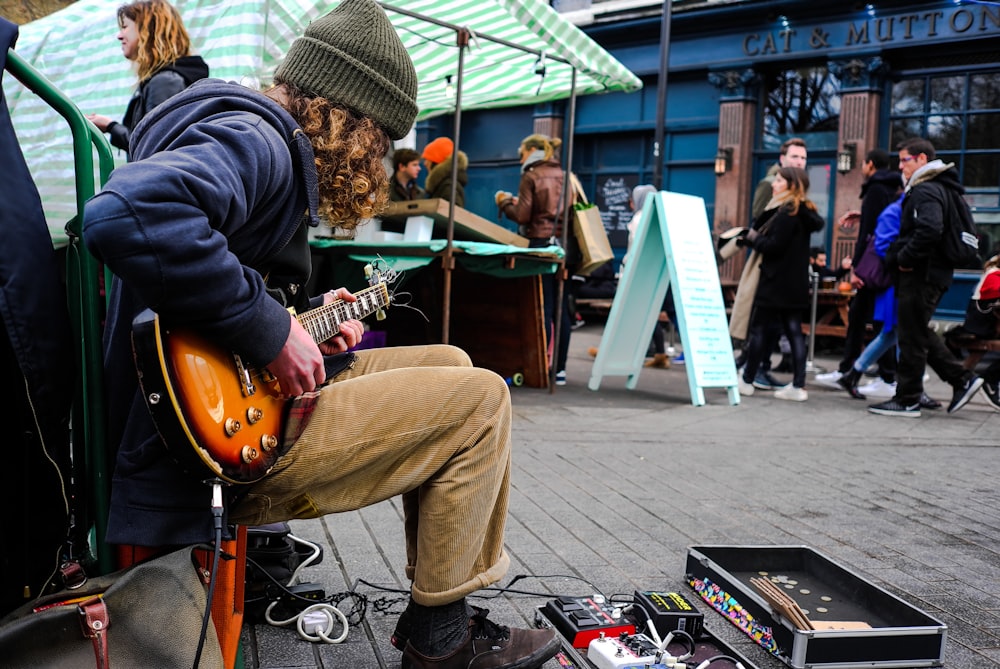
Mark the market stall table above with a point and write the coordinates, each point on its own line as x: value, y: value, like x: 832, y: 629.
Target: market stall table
x: 495, y: 297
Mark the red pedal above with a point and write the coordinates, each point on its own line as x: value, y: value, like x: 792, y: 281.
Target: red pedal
x: 582, y: 619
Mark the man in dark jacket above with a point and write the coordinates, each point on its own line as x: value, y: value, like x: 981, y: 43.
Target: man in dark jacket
x: 924, y: 275
x: 406, y: 168
x: 881, y: 188
x: 208, y: 227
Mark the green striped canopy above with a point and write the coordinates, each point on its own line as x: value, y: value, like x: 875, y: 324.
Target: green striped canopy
x: 244, y: 40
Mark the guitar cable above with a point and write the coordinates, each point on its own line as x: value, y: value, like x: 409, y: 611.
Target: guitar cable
x: 217, y: 509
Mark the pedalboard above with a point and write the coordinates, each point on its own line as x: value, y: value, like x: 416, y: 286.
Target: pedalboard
x: 669, y: 612
x: 580, y: 620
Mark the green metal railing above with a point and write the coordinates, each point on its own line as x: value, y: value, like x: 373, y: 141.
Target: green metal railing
x: 89, y: 437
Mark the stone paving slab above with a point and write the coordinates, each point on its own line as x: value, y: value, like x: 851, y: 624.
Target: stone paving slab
x: 610, y: 488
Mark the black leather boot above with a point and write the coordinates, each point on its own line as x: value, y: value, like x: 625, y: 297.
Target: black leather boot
x: 849, y: 382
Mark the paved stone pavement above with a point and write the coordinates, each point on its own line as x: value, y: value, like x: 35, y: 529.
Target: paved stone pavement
x: 610, y: 488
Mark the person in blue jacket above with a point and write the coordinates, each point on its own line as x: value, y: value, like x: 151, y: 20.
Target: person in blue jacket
x: 208, y: 226
x: 153, y: 37
x: 886, y: 231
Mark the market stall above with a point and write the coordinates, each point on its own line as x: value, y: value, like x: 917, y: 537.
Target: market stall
x: 468, y: 55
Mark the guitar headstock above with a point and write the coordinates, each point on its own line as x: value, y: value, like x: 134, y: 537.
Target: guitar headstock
x: 379, y: 271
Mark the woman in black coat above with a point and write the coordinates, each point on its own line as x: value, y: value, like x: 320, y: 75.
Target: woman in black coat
x: 781, y: 236
x: 153, y: 37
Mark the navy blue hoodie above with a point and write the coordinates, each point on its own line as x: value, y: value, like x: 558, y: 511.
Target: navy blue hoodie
x: 219, y: 184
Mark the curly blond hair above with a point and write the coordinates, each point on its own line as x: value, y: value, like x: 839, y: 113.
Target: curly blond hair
x: 162, y: 35
x: 353, y: 183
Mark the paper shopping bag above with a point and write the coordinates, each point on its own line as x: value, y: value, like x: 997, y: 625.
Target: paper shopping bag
x: 591, y: 237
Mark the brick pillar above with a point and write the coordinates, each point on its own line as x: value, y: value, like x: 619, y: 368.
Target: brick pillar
x: 734, y: 189
x: 861, y: 84
x: 858, y: 126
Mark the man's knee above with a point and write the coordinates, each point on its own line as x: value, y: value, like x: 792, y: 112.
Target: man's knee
x: 456, y: 356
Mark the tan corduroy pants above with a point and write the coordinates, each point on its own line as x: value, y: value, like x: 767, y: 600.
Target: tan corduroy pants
x: 420, y: 422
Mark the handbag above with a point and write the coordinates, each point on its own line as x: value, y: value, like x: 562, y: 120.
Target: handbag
x: 746, y: 291
x: 871, y: 269
x: 148, y: 615
x: 588, y: 230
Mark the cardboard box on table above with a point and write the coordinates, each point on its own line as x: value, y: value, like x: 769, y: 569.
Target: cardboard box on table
x: 467, y: 224
x: 858, y: 624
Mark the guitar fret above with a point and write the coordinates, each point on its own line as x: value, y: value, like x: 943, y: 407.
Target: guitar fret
x: 324, y: 322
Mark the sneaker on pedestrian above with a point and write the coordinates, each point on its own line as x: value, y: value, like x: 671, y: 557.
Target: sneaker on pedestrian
x: 488, y: 645
x: 561, y: 378
x: 928, y: 402
x: 895, y: 408
x: 878, y: 389
x: 678, y: 359
x: 791, y: 393
x: 830, y: 379
x: 764, y: 381
x: 964, y: 392
x: 991, y: 389
x: 746, y: 389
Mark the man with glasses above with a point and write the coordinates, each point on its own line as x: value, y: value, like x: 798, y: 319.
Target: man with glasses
x: 923, y: 276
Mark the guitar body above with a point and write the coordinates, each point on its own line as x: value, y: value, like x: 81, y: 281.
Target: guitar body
x: 210, y: 410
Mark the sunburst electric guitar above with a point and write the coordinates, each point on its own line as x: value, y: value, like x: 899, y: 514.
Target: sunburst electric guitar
x: 214, y: 411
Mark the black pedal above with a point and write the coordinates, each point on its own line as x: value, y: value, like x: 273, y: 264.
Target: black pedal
x: 670, y: 612
x: 582, y: 619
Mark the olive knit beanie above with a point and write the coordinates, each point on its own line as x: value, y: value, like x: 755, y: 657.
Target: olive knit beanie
x: 353, y: 57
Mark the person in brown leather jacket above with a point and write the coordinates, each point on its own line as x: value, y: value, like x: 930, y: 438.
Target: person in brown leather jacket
x: 536, y: 210
x: 540, y: 195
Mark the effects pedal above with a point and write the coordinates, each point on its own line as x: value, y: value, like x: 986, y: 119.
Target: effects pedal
x: 582, y: 619
x: 669, y: 612
x: 622, y: 651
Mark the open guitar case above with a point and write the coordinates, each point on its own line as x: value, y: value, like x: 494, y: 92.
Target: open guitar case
x: 44, y: 488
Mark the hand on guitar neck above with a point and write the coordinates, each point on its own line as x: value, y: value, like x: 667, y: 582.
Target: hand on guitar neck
x: 299, y: 365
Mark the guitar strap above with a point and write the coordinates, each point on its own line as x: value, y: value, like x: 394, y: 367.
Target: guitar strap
x: 287, y: 272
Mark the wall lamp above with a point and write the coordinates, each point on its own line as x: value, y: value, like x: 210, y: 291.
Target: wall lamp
x: 723, y: 161
x: 845, y: 158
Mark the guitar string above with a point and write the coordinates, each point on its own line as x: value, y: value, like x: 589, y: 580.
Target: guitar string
x: 313, y: 320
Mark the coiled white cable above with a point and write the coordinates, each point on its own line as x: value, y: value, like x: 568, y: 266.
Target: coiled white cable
x: 306, y: 623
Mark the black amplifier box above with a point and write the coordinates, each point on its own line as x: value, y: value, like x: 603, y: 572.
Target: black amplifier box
x: 669, y: 611
x: 581, y: 619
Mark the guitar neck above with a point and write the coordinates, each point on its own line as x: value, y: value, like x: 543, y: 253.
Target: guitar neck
x: 324, y: 322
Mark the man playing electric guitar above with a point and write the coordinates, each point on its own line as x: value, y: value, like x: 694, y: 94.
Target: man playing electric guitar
x: 221, y: 188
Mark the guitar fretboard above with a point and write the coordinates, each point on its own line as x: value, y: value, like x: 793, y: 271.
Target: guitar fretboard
x: 324, y: 322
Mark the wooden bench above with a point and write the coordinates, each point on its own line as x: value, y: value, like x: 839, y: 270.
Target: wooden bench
x: 595, y: 305
x: 974, y: 347
x: 602, y: 306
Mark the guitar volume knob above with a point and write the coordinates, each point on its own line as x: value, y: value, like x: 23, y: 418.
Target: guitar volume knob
x: 268, y: 441
x: 254, y: 414
x: 232, y: 426
x: 249, y: 454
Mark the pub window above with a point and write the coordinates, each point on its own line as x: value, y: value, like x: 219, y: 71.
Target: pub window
x: 802, y: 102
x: 960, y: 115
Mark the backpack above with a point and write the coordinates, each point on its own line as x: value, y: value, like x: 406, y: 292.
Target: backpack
x: 959, y: 239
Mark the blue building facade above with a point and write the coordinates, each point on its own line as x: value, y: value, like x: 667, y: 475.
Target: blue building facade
x: 746, y: 75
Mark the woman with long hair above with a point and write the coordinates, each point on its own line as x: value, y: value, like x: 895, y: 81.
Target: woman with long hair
x: 536, y: 210
x: 153, y: 37
x: 782, y: 240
